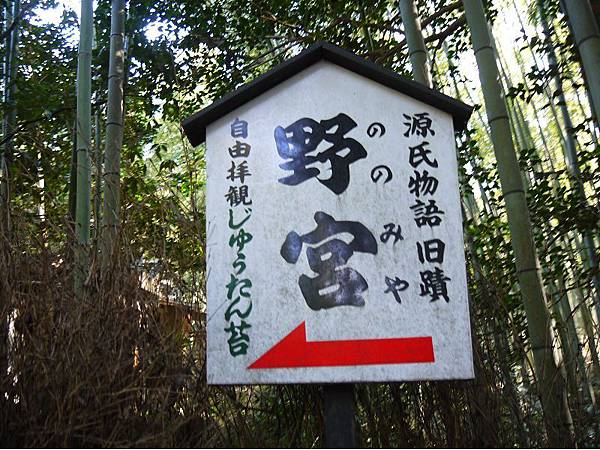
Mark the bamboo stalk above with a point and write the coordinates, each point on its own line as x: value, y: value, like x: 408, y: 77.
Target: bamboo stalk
x: 416, y: 45
x: 98, y: 180
x: 567, y: 140
x: 551, y: 383
x: 73, y: 179
x: 10, y: 117
x: 587, y: 39
x: 572, y: 160
x: 574, y: 345
x: 525, y: 140
x: 84, y: 132
x: 584, y: 112
x: 5, y: 307
x: 580, y: 304
x: 560, y: 307
x: 114, y: 135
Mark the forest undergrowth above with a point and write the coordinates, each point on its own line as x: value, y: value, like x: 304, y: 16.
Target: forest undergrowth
x: 120, y: 369
x: 121, y: 362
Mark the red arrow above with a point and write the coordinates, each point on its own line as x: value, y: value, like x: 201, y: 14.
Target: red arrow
x: 294, y: 351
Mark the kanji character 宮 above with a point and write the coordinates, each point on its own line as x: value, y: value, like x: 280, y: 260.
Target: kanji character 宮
x: 395, y: 286
x: 422, y: 183
x: 427, y: 214
x: 434, y: 284
x: 419, y: 124
x: 336, y: 284
x: 244, y: 284
x: 418, y: 154
x: 238, y: 195
x: 240, y: 171
x: 389, y: 231
x: 297, y: 143
x: 239, y: 128
x: 238, y: 340
x: 239, y: 150
x: 431, y: 251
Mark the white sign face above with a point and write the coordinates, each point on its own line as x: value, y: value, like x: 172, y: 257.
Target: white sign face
x: 334, y: 237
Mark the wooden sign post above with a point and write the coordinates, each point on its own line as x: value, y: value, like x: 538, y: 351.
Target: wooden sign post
x: 334, y: 233
x: 339, y: 414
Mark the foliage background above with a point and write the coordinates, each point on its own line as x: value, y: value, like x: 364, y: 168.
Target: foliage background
x: 126, y: 366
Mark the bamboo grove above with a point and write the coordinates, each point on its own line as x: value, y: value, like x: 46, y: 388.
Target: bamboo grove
x: 102, y: 256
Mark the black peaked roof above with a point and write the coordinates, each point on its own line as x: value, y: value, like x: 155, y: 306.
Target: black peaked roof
x: 195, y: 126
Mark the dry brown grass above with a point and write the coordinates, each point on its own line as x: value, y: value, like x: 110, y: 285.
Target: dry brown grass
x: 121, y: 369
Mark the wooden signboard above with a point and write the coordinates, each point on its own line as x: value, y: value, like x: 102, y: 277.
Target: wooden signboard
x: 334, y: 231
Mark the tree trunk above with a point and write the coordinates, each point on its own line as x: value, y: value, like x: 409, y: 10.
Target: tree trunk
x: 114, y: 135
x: 551, y: 384
x: 84, y: 140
